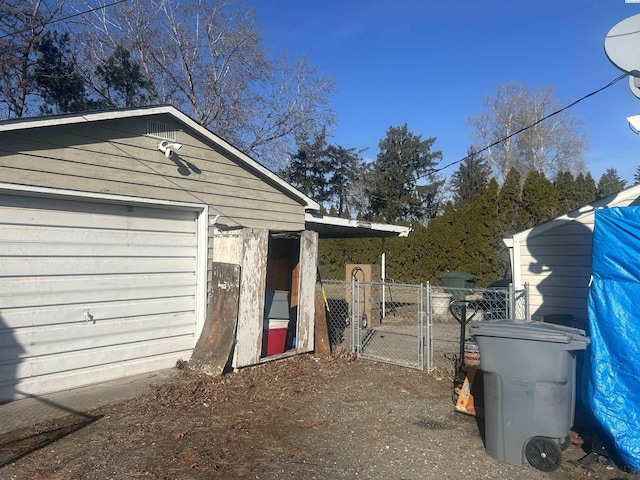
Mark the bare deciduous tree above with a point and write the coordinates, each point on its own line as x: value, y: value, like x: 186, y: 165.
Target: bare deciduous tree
x: 206, y: 57
x: 551, y: 146
x: 22, y: 23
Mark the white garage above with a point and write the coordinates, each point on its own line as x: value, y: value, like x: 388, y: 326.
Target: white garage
x: 109, y: 242
x: 96, y: 288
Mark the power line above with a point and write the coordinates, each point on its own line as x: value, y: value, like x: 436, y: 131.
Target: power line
x: 612, y: 82
x: 67, y: 17
x: 352, y: 197
x: 497, y: 142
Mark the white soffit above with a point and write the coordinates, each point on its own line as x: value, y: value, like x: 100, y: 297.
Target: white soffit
x: 336, y: 227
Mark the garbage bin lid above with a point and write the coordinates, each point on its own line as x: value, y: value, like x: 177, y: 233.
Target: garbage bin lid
x: 536, y: 331
x: 458, y: 275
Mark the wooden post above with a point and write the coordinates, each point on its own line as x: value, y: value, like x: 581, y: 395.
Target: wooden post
x: 323, y: 345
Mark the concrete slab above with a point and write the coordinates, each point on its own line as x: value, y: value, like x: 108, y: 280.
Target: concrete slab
x: 78, y: 401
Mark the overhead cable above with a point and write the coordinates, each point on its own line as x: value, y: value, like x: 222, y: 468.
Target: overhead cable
x: 498, y: 142
x: 66, y: 17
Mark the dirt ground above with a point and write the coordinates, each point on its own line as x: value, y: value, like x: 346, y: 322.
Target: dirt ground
x: 299, y: 418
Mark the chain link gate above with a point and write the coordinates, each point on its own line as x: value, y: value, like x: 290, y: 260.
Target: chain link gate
x: 484, y: 304
x: 379, y: 321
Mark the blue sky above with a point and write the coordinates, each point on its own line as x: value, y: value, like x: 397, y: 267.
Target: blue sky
x: 430, y: 63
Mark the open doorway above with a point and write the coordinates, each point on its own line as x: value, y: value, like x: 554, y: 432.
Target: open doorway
x: 281, y: 295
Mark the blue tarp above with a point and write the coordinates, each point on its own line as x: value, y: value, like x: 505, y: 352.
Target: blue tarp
x: 613, y: 359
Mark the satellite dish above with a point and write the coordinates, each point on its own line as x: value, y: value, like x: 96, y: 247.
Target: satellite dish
x: 634, y: 85
x: 622, y: 46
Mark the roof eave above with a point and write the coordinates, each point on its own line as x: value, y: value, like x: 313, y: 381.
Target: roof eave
x: 337, y: 227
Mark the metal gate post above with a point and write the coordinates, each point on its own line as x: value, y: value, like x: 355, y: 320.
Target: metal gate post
x: 428, y: 333
x: 527, y: 311
x: 421, y: 341
x: 511, y: 313
x: 354, y: 347
x: 356, y: 314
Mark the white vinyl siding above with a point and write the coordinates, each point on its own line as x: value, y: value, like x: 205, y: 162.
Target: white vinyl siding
x: 131, y: 268
x: 555, y: 259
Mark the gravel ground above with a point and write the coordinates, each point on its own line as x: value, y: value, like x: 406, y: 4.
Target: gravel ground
x: 303, y: 418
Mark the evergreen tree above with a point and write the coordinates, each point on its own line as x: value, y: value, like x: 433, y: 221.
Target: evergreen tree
x: 585, y: 189
x: 393, y: 189
x: 609, y: 183
x: 330, y: 174
x: 636, y: 176
x: 307, y: 169
x: 345, y: 167
x: 539, y: 198
x: 62, y: 87
x: 470, y: 179
x: 480, y: 243
x: 406, y: 257
x: 466, y: 239
x: 566, y: 190
x: 125, y: 84
x: 510, y: 212
x: 441, y: 244
x: 499, y: 254
x: 57, y: 78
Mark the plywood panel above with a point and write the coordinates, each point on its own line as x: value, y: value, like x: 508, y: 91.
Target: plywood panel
x: 306, y: 294
x: 227, y: 248
x: 251, y: 303
x: 215, y: 345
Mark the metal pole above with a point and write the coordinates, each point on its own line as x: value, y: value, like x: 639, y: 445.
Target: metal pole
x: 527, y: 311
x: 384, y: 276
x: 463, y: 330
x: 428, y: 333
x: 353, y: 314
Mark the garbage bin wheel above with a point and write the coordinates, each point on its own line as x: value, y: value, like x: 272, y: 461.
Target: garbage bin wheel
x: 543, y: 454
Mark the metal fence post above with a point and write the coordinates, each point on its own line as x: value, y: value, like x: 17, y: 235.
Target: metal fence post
x: 427, y: 337
x: 527, y: 311
x: 354, y: 347
x: 512, y: 301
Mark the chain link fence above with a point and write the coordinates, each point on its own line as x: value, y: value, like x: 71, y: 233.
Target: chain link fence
x: 416, y: 326
x: 448, y: 305
x: 338, y: 312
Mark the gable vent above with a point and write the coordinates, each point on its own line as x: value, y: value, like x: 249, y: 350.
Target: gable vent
x: 160, y: 130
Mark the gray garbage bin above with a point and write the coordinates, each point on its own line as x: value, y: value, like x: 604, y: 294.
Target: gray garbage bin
x: 529, y: 374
